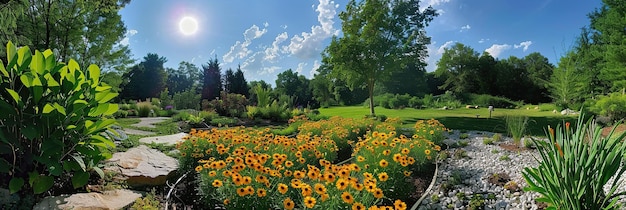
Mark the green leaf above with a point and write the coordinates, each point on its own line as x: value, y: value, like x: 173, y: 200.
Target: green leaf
x: 59, y: 108
x: 103, y: 88
x: 80, y: 179
x: 80, y: 102
x: 42, y: 184
x: 48, y: 108
x: 103, y: 97
x: 24, y: 57
x: 99, y: 171
x: 4, y: 166
x: 3, y: 70
x: 72, y: 66
x: 99, y: 110
x: 100, y: 139
x: 27, y: 80
x: 38, y: 63
x: 50, y: 81
x: 69, y: 127
x: 94, y: 75
x: 37, y: 92
x: 11, y: 55
x: 30, y: 131
x: 16, y: 97
x: 112, y: 108
x: 80, y: 162
x: 15, y: 184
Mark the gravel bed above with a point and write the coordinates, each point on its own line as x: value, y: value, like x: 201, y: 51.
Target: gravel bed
x: 467, y: 177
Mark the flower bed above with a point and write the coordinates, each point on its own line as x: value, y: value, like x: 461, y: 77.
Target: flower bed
x: 242, y: 168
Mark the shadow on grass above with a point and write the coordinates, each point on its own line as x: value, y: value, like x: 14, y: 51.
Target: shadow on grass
x: 536, y: 125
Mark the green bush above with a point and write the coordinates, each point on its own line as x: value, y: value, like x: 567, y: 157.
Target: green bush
x: 229, y: 104
x: 574, y: 166
x: 612, y: 106
x: 485, y: 100
x: 52, y: 121
x: 144, y: 109
x: 188, y: 99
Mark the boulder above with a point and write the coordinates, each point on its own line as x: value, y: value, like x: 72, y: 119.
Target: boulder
x: 568, y: 112
x: 167, y: 140
x: 142, y: 166
x: 116, y: 199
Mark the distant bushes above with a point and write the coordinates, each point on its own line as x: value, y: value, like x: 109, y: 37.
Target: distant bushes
x: 612, y: 106
x: 485, y: 100
x: 397, y: 101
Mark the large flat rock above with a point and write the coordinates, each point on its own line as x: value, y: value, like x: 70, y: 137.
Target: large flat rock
x: 117, y: 199
x: 167, y: 140
x: 150, y: 121
x: 143, y: 166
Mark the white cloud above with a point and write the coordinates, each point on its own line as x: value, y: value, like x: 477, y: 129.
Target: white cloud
x: 482, y: 40
x: 240, y: 49
x: 525, y: 45
x: 266, y: 24
x: 283, y: 26
x: 316, y: 65
x: 465, y: 28
x: 309, y: 44
x: 126, y: 40
x: 301, y: 67
x: 443, y: 47
x: 496, y: 49
x: 437, y: 2
x: 272, y: 53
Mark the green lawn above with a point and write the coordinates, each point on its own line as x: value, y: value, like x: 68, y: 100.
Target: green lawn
x: 460, y: 119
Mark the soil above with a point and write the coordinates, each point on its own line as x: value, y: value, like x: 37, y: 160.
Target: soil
x: 512, y: 147
x: 620, y: 129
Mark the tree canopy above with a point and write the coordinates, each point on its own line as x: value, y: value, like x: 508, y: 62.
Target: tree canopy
x: 379, y: 38
x: 146, y: 79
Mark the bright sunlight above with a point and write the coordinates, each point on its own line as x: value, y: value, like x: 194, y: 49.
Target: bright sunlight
x: 188, y: 25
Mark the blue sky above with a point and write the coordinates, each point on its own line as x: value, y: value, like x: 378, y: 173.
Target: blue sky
x: 270, y: 36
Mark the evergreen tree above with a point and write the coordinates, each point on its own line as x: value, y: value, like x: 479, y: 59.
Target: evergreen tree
x: 211, y: 80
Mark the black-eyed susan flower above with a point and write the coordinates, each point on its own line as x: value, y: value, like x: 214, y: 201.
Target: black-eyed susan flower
x: 427, y: 152
x: 242, y: 191
x: 358, y: 206
x: 347, y: 197
x: 261, y: 192
x: 383, y: 163
x: 282, y: 188
x: 309, y: 202
x: 341, y: 184
x: 217, y: 183
x: 399, y: 205
x: 198, y: 168
x: 383, y: 176
x: 378, y: 193
x: 288, y: 204
x: 319, y: 188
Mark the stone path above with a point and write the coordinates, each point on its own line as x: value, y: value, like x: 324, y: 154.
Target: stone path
x: 149, y: 122
x: 167, y: 140
x: 138, y: 132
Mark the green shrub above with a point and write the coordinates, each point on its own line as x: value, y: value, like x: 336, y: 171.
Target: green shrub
x: 578, y: 156
x: 52, y: 121
x: 612, y: 106
x: 485, y: 100
x: 516, y: 127
x: 223, y: 121
x: 464, y: 136
x: 188, y: 99
x: 505, y: 158
x: 229, y: 104
x: 416, y: 102
x: 488, y: 141
x: 144, y: 109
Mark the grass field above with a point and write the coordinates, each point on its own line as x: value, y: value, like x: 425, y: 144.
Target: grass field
x: 460, y: 119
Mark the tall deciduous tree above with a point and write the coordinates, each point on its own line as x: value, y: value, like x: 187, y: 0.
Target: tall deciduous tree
x: 211, y: 80
x: 379, y: 38
x: 87, y: 31
x: 183, y: 78
x: 459, y: 65
x: 146, y: 79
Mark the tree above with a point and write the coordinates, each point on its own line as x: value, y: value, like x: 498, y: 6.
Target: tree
x: 228, y: 78
x: 379, y: 38
x: 459, y: 65
x: 239, y: 83
x: 183, y: 78
x: 211, y: 80
x: 88, y: 31
x: 567, y: 84
x: 291, y: 84
x: 146, y: 79
x: 539, y: 71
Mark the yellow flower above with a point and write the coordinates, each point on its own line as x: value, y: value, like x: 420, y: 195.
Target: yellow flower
x: 407, y: 173
x: 360, y: 158
x: 226, y: 201
x: 405, y: 151
x: 427, y: 152
x: 217, y: 183
x: 341, y: 184
x: 261, y: 192
x: 241, y: 191
x: 288, y: 204
x: 212, y: 173
x: 383, y: 176
x: 320, y: 188
x: 400, y: 205
x: 198, y: 168
x: 357, y: 206
x: 309, y: 202
x: 383, y: 163
x: 378, y: 193
x: 347, y: 197
x: 282, y: 188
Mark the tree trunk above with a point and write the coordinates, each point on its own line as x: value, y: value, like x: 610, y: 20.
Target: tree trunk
x: 370, y: 89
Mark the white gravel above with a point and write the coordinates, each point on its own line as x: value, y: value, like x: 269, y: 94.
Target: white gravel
x: 483, y: 161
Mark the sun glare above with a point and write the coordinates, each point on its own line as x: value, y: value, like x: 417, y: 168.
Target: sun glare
x: 188, y: 25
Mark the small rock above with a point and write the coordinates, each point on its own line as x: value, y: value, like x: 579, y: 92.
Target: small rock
x: 117, y: 199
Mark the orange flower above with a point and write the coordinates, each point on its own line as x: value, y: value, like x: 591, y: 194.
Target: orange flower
x: 217, y: 183
x: 383, y: 163
x: 347, y: 197
x: 357, y: 206
x: 378, y: 193
x: 400, y: 205
x: 309, y: 202
x: 341, y: 184
x: 198, y: 168
x: 288, y: 204
x: 383, y: 176
x: 241, y: 191
x: 282, y: 188
x: 261, y: 192
x: 559, y: 148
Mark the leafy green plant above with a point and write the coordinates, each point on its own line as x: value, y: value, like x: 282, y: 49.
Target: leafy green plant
x: 148, y: 202
x: 574, y: 166
x: 496, y: 137
x: 488, y: 141
x: 612, y: 106
x: 505, y: 158
x: 144, y: 109
x: 52, y: 121
x: 516, y: 127
x: 464, y: 136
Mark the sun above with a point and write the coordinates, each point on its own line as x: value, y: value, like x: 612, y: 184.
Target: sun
x: 188, y: 25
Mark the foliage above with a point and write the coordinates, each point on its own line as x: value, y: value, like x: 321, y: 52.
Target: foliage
x: 185, y: 77
x: 575, y: 165
x: 146, y: 79
x: 211, y: 80
x: 342, y: 131
x: 612, y: 106
x: 516, y: 127
x: 53, y: 120
x: 430, y: 129
x: 229, y: 104
x: 569, y: 82
x: 396, y: 101
x: 144, y: 109
x: 262, y: 95
x: 236, y: 82
x: 188, y: 99
x: 149, y: 202
x: 485, y: 100
x: 291, y: 84
x: 89, y: 32
x: 393, y: 34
